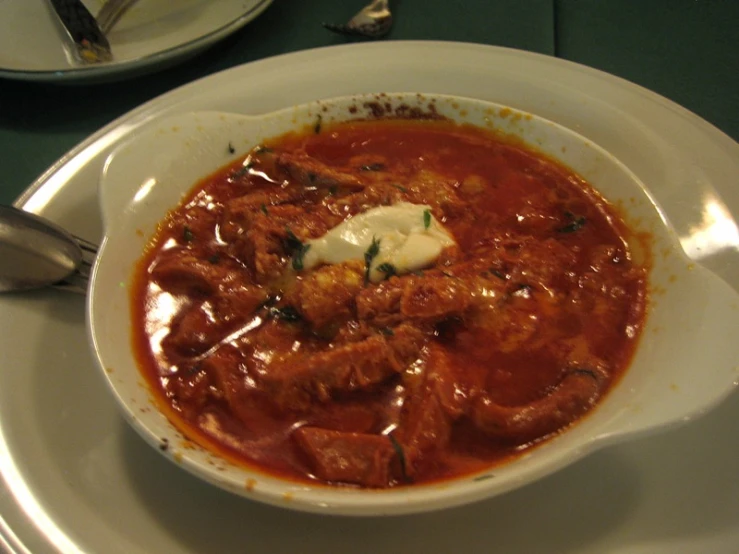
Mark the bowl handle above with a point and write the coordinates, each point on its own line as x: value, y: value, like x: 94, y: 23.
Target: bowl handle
x: 702, y: 370
x: 185, y: 146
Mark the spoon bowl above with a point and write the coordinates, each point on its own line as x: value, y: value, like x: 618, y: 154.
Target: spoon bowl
x: 36, y: 253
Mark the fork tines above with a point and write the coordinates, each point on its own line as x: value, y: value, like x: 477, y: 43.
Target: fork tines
x: 341, y: 29
x: 368, y: 31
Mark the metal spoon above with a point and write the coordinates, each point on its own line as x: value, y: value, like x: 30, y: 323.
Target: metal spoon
x: 36, y: 253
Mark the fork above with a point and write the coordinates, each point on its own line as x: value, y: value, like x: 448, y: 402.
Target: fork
x: 111, y: 12
x: 372, y: 21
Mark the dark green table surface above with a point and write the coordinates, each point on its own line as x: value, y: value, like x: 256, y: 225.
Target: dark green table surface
x: 686, y: 50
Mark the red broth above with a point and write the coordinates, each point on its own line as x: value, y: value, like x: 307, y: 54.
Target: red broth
x: 318, y: 375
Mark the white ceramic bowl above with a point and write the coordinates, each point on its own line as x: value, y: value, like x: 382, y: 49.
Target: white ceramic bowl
x: 685, y: 364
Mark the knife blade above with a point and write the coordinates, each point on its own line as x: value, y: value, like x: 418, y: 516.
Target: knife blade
x: 90, y: 44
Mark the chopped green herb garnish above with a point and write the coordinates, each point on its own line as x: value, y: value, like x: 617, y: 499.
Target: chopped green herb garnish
x: 387, y: 331
x: 231, y: 149
x: 214, y: 259
x: 388, y: 269
x: 426, y: 219
x: 401, y: 457
x: 484, y: 477
x: 317, y: 126
x: 286, y: 313
x: 295, y: 248
x: 243, y: 170
x: 372, y: 167
x: 418, y: 272
x: 292, y: 242
x: 400, y: 187
x: 372, y: 251
x: 187, y: 234
x: 264, y: 209
x: 576, y: 224
x: 271, y: 300
x: 332, y: 190
x: 298, y: 257
x: 499, y: 274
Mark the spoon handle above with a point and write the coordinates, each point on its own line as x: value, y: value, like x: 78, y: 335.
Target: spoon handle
x: 78, y: 281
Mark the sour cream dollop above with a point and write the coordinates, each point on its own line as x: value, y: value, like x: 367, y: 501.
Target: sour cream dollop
x: 407, y: 238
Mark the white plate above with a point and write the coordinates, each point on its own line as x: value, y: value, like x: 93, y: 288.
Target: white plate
x: 75, y: 478
x: 152, y: 35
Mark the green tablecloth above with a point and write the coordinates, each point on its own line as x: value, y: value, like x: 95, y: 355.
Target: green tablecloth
x: 686, y: 50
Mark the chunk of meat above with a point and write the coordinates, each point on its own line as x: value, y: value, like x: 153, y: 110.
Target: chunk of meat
x: 435, y: 298
x: 353, y: 331
x: 434, y: 399
x: 225, y: 372
x: 181, y: 272
x: 310, y: 172
x: 424, y: 428
x: 425, y: 299
x: 192, y: 390
x: 240, y: 212
x: 382, y: 300
x: 326, y: 295
x: 268, y: 243
x: 194, y: 330
x: 216, y: 377
x: 227, y: 379
x: 516, y: 319
x: 447, y: 381
x: 337, y: 456
x: 263, y: 246
x: 406, y: 341
x: 374, y: 195
x: 204, y: 324
x: 294, y: 381
x: 262, y: 250
x: 571, y: 398
x: 437, y: 191
x: 238, y: 301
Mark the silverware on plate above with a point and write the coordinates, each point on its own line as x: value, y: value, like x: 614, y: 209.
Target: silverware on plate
x: 90, y: 43
x: 372, y: 21
x: 111, y: 12
x: 88, y: 33
x: 37, y: 253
